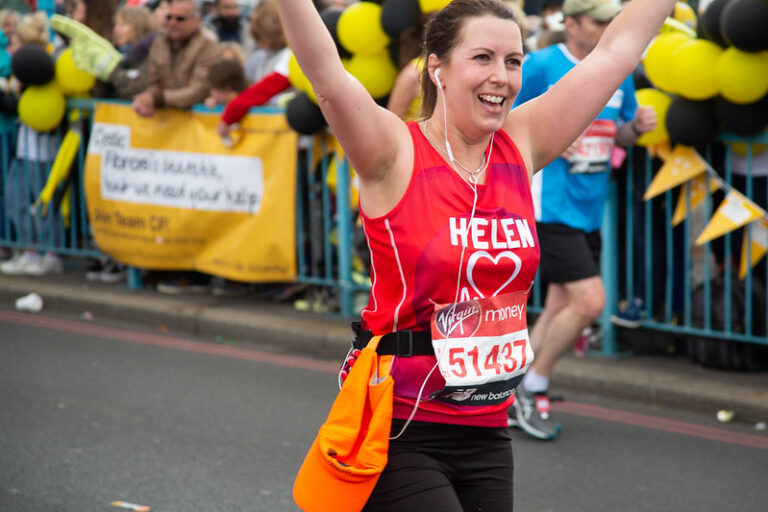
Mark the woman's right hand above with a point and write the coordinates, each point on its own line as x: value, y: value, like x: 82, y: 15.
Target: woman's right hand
x: 348, y: 364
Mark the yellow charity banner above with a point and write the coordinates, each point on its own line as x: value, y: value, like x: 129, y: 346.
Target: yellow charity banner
x: 735, y: 211
x: 680, y: 166
x: 165, y: 193
x: 758, y: 236
x: 698, y: 186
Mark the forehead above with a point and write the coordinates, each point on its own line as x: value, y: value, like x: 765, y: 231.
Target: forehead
x: 181, y: 8
x: 500, y: 35
x: 230, y: 4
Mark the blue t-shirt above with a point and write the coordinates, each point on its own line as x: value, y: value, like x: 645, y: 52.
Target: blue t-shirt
x: 574, y: 193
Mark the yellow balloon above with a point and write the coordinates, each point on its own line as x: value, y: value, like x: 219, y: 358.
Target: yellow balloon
x: 299, y: 80
x: 660, y: 103
x: 70, y: 79
x: 359, y: 29
x: 296, y: 75
x: 41, y: 107
x: 428, y: 6
x: 742, y: 77
x: 657, y: 58
x: 691, y: 72
x: 376, y: 73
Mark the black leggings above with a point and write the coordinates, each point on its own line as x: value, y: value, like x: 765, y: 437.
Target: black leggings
x: 445, y: 468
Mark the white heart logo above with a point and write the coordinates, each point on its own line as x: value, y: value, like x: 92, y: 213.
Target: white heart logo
x: 483, y: 254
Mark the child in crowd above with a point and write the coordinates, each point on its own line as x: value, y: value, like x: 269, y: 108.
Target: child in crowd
x: 227, y: 80
x: 26, y: 177
x: 268, y: 67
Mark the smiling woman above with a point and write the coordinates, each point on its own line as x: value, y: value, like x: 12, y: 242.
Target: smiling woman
x: 449, y: 219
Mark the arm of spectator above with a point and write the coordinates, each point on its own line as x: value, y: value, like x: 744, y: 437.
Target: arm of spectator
x: 645, y: 120
x: 257, y: 94
x: 198, y: 87
x: 407, y: 88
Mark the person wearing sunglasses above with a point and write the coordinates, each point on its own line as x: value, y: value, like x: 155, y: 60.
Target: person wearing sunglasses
x: 178, y: 62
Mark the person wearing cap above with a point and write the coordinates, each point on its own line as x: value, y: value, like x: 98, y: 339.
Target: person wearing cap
x: 448, y: 214
x: 570, y: 194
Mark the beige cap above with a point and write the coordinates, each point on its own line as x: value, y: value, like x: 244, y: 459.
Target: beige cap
x: 601, y: 10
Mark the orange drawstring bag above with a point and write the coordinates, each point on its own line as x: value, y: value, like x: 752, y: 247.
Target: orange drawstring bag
x: 350, y: 450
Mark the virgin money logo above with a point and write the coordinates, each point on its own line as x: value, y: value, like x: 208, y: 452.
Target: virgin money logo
x: 459, y: 320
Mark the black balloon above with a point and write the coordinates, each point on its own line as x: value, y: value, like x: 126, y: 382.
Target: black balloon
x: 640, y: 78
x: 744, y: 24
x: 691, y: 122
x: 397, y: 15
x: 32, y: 65
x: 330, y: 17
x: 304, y: 116
x: 710, y: 22
x: 746, y: 120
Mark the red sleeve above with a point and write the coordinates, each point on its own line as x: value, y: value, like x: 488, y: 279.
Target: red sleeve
x: 257, y: 94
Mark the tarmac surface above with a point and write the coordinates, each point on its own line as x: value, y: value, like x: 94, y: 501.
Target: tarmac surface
x: 656, y: 378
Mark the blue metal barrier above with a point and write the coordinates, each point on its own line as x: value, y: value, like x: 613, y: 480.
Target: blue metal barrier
x: 655, y: 261
x: 662, y: 265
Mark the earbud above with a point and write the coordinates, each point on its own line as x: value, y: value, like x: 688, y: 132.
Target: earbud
x: 445, y: 117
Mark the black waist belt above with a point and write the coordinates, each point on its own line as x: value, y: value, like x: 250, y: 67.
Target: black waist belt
x: 403, y: 343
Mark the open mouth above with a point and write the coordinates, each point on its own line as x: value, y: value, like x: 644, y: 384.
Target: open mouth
x: 491, y: 100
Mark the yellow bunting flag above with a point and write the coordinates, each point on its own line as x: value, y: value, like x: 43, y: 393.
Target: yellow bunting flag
x: 661, y: 150
x: 735, y: 211
x: 682, y: 164
x: 758, y: 235
x: 698, y: 186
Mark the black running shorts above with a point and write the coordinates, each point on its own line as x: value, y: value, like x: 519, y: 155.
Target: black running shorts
x: 568, y: 254
x: 450, y: 468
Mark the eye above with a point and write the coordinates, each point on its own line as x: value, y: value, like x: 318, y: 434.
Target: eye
x: 484, y: 57
x: 514, y: 62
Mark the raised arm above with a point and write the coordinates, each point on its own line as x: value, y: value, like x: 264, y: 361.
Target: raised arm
x: 545, y: 126
x: 368, y: 133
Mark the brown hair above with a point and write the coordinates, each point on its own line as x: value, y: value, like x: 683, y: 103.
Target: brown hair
x: 227, y: 73
x: 442, y: 33
x: 99, y: 16
x: 266, y: 28
x: 140, y: 18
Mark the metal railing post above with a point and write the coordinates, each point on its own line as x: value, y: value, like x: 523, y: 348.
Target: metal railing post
x: 344, y: 229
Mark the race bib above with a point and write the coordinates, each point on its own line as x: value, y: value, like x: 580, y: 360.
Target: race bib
x: 482, y: 348
x: 595, y: 147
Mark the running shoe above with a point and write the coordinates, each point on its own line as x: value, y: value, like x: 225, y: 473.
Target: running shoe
x: 631, y: 314
x: 530, y: 412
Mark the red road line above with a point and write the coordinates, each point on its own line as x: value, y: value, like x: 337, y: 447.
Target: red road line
x: 169, y: 342
x: 667, y: 425
x: 592, y: 411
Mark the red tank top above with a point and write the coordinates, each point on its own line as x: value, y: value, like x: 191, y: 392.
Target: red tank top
x: 415, y: 252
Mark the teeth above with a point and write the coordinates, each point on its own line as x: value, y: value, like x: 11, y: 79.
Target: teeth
x: 492, y: 99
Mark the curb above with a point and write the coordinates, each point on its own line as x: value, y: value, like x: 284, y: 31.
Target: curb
x: 657, y: 379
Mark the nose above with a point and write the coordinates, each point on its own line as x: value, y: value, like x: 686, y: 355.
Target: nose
x: 498, y: 72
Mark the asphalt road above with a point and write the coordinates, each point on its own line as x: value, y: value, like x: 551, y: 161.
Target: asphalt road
x: 92, y: 412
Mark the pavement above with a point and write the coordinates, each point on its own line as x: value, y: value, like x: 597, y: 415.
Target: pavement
x: 655, y: 377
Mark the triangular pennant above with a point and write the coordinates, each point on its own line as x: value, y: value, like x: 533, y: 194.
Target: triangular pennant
x: 698, y: 186
x: 680, y: 166
x: 662, y: 150
x: 735, y: 211
x: 758, y: 235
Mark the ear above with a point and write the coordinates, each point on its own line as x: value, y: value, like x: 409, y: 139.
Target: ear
x: 433, y: 63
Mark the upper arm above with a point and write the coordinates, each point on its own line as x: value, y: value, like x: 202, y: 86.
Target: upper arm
x: 371, y: 135
x: 547, y: 124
